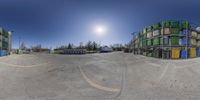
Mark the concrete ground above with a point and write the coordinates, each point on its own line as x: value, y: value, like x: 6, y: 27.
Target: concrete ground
x: 111, y: 76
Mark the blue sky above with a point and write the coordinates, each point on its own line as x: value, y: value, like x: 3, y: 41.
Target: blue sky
x: 57, y: 22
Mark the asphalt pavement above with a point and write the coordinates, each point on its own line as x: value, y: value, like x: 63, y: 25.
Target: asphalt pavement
x: 106, y: 76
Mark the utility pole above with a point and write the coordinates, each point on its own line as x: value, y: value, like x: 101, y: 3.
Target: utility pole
x: 19, y: 43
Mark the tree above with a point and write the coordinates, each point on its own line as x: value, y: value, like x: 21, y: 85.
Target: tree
x: 23, y: 46
x: 81, y: 45
x: 89, y: 46
x: 69, y: 46
x: 94, y: 46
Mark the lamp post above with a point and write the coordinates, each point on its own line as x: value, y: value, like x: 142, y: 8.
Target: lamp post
x: 132, y: 41
x: 19, y: 42
x: 10, y: 42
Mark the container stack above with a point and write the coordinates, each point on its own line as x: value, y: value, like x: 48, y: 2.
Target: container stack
x: 5, y: 42
x: 168, y: 40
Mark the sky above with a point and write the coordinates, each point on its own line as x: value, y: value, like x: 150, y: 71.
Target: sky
x: 58, y: 22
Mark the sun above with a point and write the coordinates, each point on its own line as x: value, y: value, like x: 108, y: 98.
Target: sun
x: 100, y: 30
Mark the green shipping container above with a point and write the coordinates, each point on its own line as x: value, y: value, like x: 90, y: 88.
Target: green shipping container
x: 144, y: 43
x: 149, y: 42
x: 4, y: 45
x: 4, y: 39
x: 174, y: 24
x: 166, y: 24
x: 156, y: 41
x: 175, y: 31
x: 156, y: 26
x: 140, y: 44
x: 140, y: 34
x: 141, y: 38
x: 164, y: 40
x: 4, y: 33
x: 4, y: 42
x: 174, y: 41
x: 149, y: 28
x: 185, y: 25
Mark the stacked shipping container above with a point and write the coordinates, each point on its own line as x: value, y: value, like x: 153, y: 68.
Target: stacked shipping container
x: 168, y: 39
x: 5, y: 42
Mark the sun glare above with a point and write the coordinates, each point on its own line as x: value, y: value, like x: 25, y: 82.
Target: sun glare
x: 100, y: 30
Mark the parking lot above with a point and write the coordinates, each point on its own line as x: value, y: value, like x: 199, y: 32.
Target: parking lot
x: 107, y: 76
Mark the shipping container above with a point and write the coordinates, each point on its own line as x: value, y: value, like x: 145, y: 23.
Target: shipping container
x: 174, y: 24
x: 198, y: 36
x: 157, y: 26
x: 186, y: 41
x: 149, y: 42
x: 166, y: 54
x: 156, y: 41
x: 175, y: 31
x: 194, y: 34
x: 157, y: 53
x: 145, y: 30
x: 185, y: 25
x: 193, y: 42
x: 174, y: 41
x: 164, y: 40
x: 174, y: 37
x: 186, y: 32
x: 144, y: 43
x: 198, y: 43
x: 184, y: 54
x: 175, y: 53
x: 4, y: 33
x: 4, y: 39
x: 149, y: 34
x: 192, y: 52
x: 140, y: 44
x: 149, y: 28
x: 5, y: 42
x: 156, y: 32
x: 4, y: 45
x: 3, y: 53
x: 183, y: 33
x: 165, y: 31
x: 198, y: 52
x: 166, y: 24
x: 140, y: 34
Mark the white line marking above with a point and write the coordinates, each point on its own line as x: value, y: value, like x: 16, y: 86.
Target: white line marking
x: 153, y: 64
x: 164, y: 72
x: 13, y: 65
x: 187, y: 66
x: 197, y: 62
x: 97, y: 85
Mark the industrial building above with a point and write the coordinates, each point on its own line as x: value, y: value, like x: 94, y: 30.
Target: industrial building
x: 168, y: 40
x: 5, y: 42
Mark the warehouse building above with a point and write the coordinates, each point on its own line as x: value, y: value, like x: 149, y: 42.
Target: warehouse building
x: 168, y: 40
x: 5, y: 42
